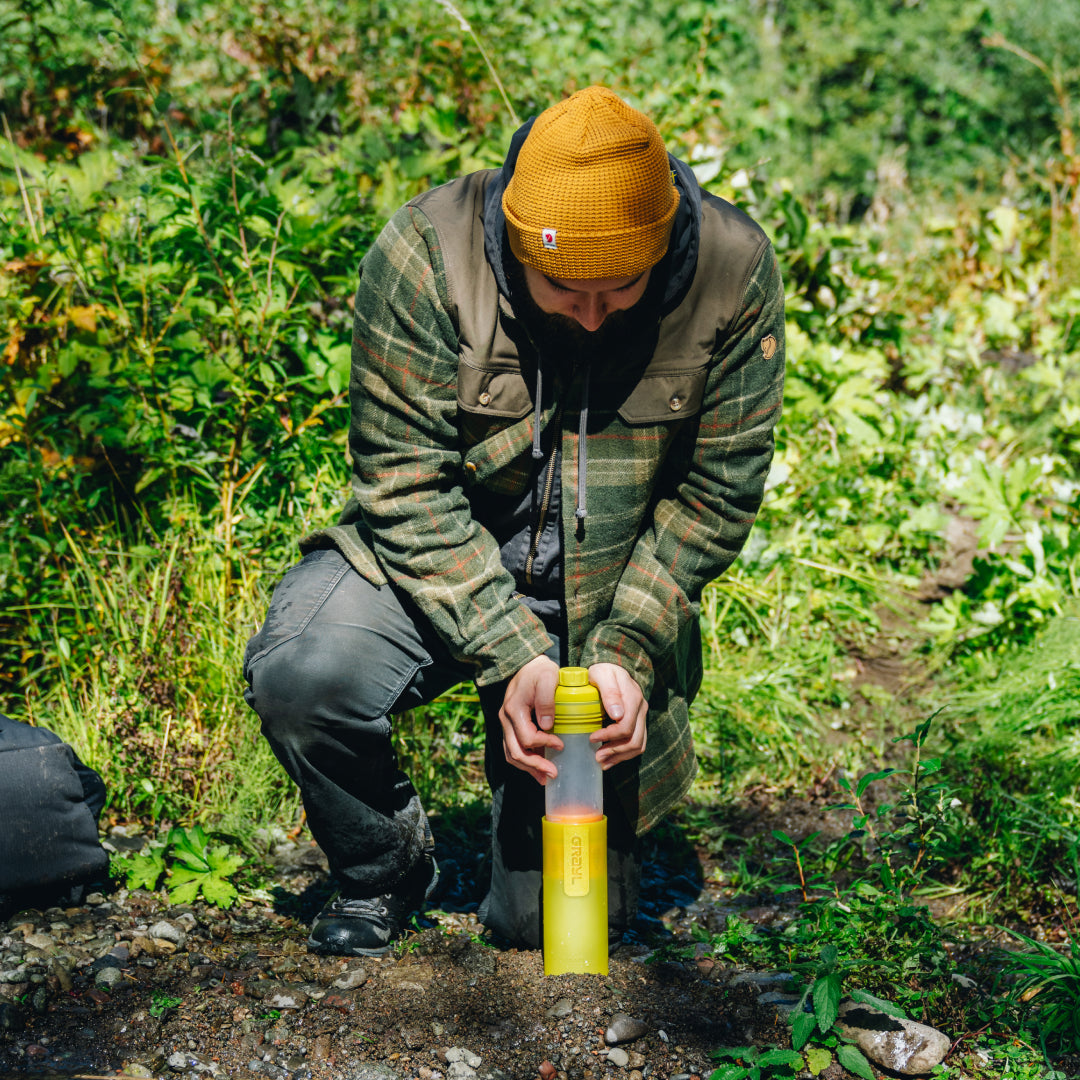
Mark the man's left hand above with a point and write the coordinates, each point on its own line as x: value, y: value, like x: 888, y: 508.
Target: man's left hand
x: 625, y: 705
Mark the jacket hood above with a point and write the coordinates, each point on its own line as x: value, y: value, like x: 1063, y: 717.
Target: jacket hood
x: 676, y: 267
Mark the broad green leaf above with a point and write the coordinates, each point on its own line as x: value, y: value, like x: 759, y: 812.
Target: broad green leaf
x: 865, y: 998
x: 143, y: 871
x: 781, y: 1057
x: 931, y: 765
x: 818, y: 1059
x: 737, y: 1052
x: 869, y: 778
x: 218, y: 891
x: 853, y: 1059
x: 783, y: 838
x: 826, y: 995
x: 185, y: 892
x: 730, y: 1071
x: 802, y: 1027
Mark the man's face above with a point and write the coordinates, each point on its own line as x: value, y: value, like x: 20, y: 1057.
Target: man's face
x: 585, y: 301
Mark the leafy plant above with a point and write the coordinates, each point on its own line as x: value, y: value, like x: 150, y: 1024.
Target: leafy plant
x: 1046, y: 991
x: 190, y: 865
x: 755, y: 1063
x: 161, y: 1002
x: 199, y: 867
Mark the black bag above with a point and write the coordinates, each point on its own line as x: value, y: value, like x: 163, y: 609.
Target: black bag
x: 49, y: 805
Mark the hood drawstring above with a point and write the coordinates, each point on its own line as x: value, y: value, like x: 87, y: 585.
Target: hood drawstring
x: 537, y: 453
x: 582, y: 455
x: 583, y: 424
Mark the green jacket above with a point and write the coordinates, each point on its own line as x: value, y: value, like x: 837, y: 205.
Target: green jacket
x: 677, y: 452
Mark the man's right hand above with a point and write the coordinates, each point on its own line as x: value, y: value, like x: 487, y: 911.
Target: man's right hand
x: 527, y: 717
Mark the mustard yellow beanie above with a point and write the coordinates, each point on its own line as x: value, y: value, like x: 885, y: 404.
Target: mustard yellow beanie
x: 592, y: 194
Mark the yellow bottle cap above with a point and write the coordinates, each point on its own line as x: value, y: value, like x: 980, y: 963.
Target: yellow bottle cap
x: 577, y: 703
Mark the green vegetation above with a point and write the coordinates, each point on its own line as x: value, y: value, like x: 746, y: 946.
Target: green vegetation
x: 189, y: 865
x: 186, y: 190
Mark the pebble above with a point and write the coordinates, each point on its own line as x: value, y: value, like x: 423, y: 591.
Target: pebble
x: 351, y: 979
x: 372, y: 1070
x: 459, y: 1053
x: 40, y: 941
x: 618, y: 1057
x: 165, y: 931
x: 562, y: 1007
x: 623, y: 1028
x: 285, y: 998
x: 107, y: 977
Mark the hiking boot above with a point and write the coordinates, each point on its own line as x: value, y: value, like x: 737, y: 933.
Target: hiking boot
x: 368, y: 926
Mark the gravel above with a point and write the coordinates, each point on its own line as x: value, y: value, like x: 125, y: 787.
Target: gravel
x: 126, y: 983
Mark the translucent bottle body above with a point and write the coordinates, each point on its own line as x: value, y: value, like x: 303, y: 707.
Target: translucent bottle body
x: 577, y: 793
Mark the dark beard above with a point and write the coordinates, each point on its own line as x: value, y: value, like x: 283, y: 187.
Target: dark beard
x: 620, y: 338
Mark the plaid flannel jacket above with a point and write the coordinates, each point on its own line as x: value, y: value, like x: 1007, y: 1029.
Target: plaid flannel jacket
x: 670, y: 502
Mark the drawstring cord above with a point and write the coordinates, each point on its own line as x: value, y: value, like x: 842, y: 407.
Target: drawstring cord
x: 537, y: 453
x: 583, y: 424
x: 582, y: 456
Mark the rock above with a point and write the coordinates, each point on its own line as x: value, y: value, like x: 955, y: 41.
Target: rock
x: 618, y: 1057
x: 276, y: 995
x: 902, y: 1046
x: 11, y: 1017
x: 624, y: 1028
x: 784, y: 1004
x: 547, y: 1070
x: 40, y: 941
x: 165, y: 931
x: 351, y: 979
x: 763, y: 980
x: 135, y: 1068
x: 107, y: 977
x: 562, y: 1008
x: 492, y: 1072
x: 372, y: 1070
x: 459, y: 1070
x: 410, y: 976
x: 459, y: 1053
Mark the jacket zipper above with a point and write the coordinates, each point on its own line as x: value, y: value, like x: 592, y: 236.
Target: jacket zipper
x: 545, y: 504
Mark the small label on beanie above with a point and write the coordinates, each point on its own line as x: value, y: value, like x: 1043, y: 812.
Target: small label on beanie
x: 547, y: 238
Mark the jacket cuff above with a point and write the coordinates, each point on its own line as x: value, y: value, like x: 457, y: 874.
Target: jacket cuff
x: 610, y: 643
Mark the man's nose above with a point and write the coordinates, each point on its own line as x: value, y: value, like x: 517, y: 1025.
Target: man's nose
x: 591, y: 311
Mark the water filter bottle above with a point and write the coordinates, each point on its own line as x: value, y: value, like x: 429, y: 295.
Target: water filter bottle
x: 575, y: 836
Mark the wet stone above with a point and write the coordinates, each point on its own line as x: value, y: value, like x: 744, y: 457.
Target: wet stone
x: 562, y: 1008
x: 618, y: 1057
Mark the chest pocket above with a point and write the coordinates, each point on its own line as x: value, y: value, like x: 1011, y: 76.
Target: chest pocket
x: 673, y: 393
x: 494, y: 408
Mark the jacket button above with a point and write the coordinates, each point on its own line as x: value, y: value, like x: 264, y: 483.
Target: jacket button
x: 484, y: 398
x: 675, y: 403
x: 470, y: 467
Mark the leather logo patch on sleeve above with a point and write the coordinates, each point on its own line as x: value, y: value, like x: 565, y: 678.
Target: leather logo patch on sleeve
x: 768, y: 346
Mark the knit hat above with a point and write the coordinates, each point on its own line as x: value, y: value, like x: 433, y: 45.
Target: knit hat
x: 592, y: 195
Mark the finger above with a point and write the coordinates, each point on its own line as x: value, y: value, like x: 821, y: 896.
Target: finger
x: 523, y: 744
x: 535, y: 765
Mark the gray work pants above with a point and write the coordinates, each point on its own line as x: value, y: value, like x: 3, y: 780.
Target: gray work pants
x: 335, y: 658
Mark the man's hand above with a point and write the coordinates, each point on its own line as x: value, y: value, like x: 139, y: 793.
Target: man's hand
x: 527, y: 716
x: 624, y: 703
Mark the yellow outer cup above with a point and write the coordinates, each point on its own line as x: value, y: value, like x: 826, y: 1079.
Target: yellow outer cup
x: 575, y: 897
